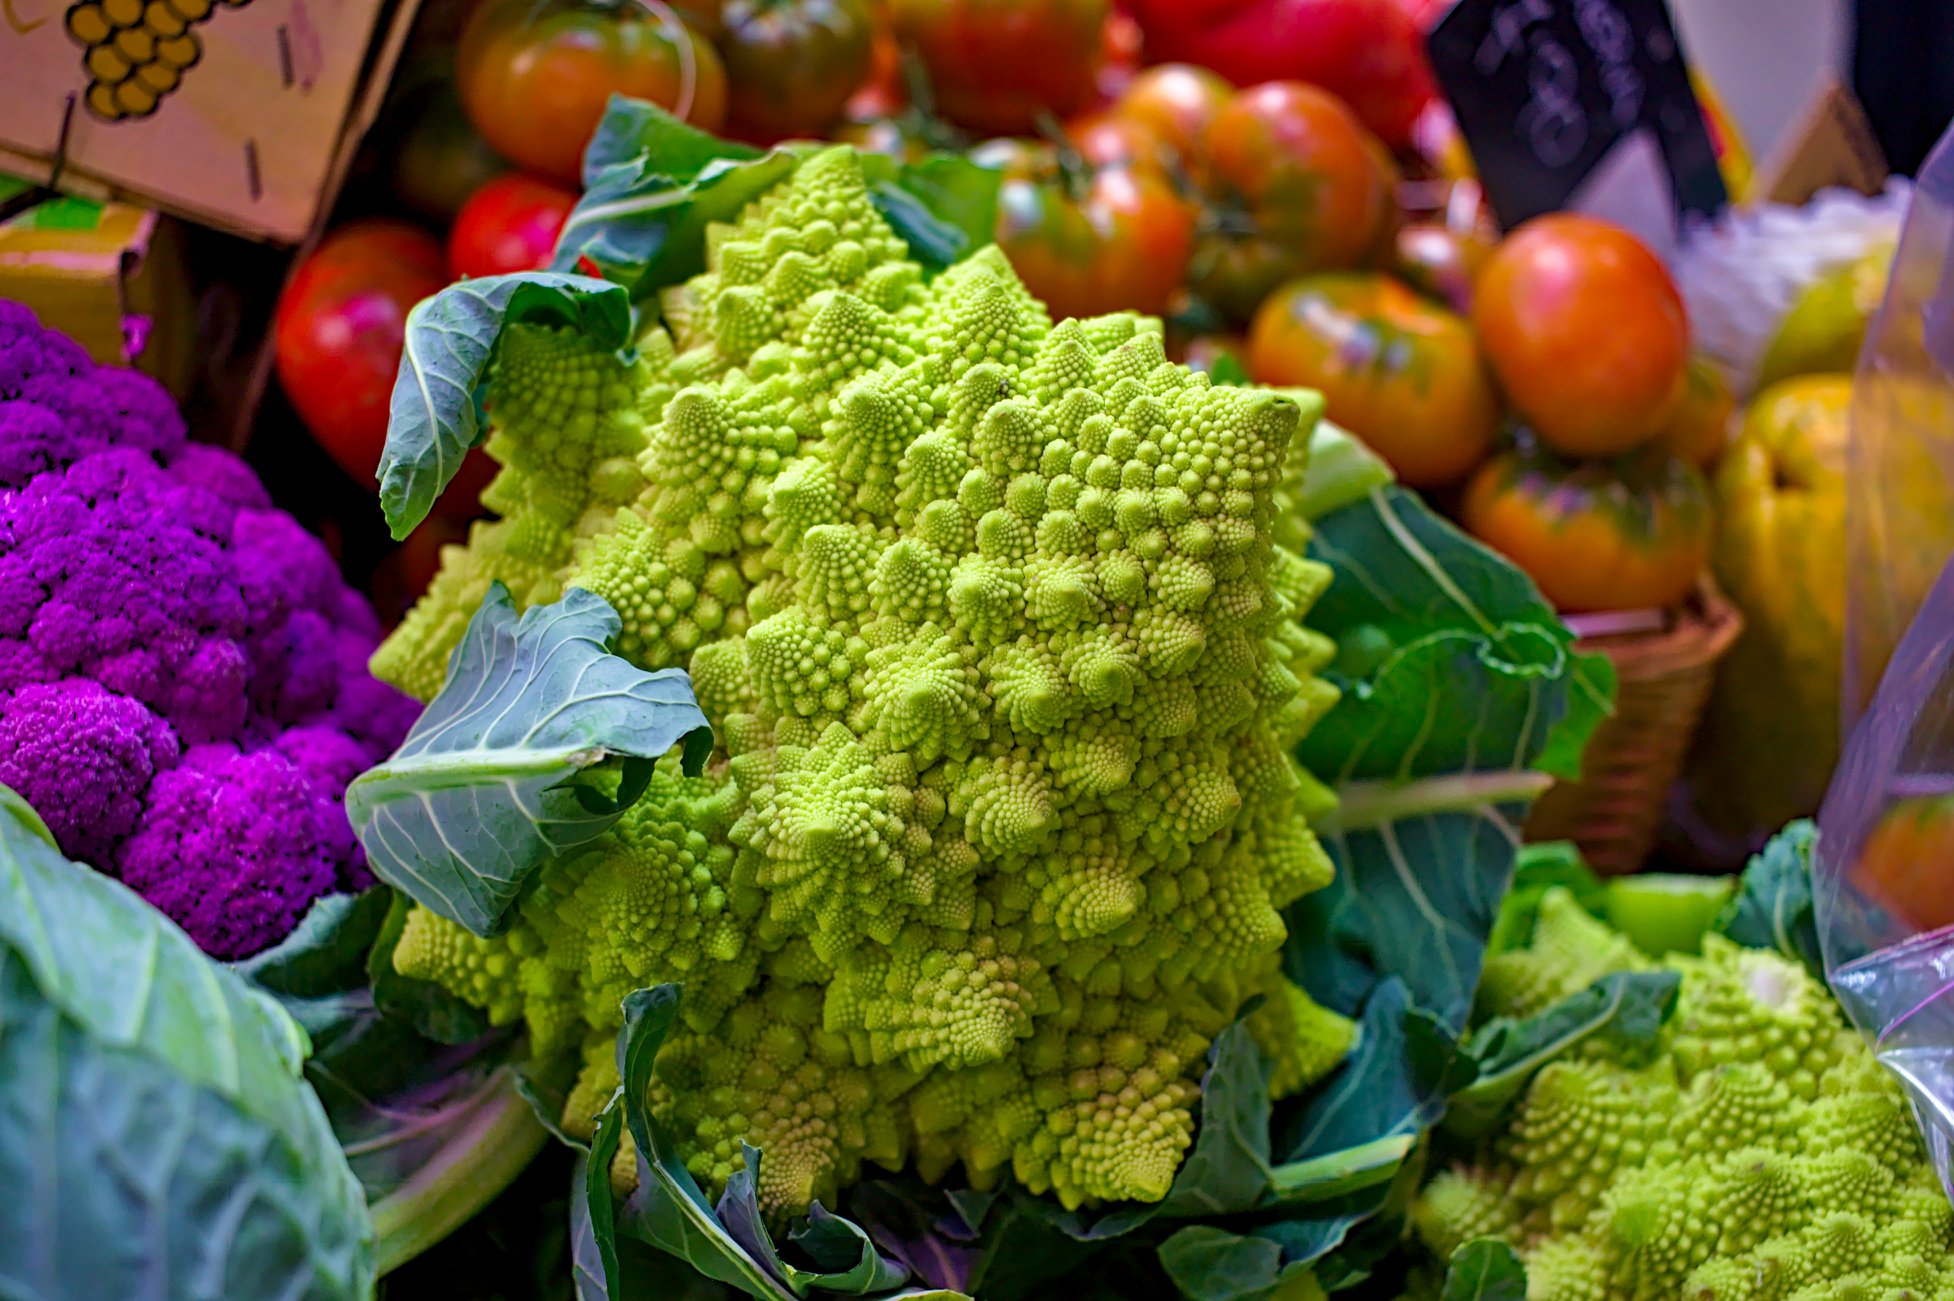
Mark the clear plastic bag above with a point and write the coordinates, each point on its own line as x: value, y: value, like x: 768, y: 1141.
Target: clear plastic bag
x: 1884, y: 875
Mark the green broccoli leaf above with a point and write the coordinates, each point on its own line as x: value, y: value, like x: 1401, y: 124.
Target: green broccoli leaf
x: 652, y: 185
x: 730, y: 1242
x: 158, y: 1133
x: 1208, y: 1263
x: 1628, y: 1006
x: 1228, y: 1170
x: 1772, y: 908
x: 1458, y: 684
x: 1485, y: 1269
x: 435, y: 416
x: 495, y: 778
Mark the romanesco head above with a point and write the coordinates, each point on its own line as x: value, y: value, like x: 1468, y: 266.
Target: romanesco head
x: 1006, y: 668
x: 1762, y: 1155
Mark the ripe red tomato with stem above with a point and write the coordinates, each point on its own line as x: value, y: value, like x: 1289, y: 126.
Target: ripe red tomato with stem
x: 1089, y: 240
x: 1294, y: 184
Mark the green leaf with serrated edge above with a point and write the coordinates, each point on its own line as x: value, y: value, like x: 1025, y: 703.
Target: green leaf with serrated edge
x: 1228, y: 1168
x: 669, y: 1210
x: 631, y: 128
x: 1773, y: 908
x: 489, y: 784
x: 159, y: 1131
x: 1485, y: 1269
x: 1629, y: 1007
x: 433, y: 417
x: 326, y: 952
x: 653, y: 184
x: 1208, y: 1263
x: 1434, y: 750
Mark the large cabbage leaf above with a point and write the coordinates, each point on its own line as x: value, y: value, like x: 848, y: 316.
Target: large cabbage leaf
x: 157, y: 1139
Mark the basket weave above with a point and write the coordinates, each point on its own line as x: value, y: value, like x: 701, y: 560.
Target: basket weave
x: 1663, y: 680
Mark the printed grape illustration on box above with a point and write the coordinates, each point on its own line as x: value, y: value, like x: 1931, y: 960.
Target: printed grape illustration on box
x: 136, y: 53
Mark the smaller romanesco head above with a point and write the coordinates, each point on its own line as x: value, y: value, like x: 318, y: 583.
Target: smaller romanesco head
x: 1762, y: 1155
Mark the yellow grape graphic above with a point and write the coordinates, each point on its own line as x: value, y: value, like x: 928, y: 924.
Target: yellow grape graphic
x: 136, y: 51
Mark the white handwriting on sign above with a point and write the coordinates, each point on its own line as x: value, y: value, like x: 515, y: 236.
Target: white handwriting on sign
x: 1552, y: 120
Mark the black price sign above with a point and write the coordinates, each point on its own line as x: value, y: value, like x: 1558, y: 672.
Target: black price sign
x: 1545, y: 89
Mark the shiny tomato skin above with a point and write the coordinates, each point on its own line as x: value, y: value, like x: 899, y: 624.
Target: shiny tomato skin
x: 340, y: 327
x: 1401, y: 373
x: 1369, y: 53
x: 1119, y: 243
x: 791, y: 65
x: 1593, y: 536
x: 1586, y: 332
x: 535, y: 75
x: 510, y: 224
x: 1700, y: 429
x: 996, y: 65
x: 1298, y: 185
x: 1175, y: 102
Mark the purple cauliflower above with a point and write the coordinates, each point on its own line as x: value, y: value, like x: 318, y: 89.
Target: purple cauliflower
x: 183, y: 683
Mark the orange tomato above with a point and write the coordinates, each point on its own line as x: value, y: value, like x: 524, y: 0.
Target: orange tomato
x: 1401, y: 373
x: 1591, y: 536
x: 1089, y: 241
x: 1175, y: 101
x: 1586, y: 332
x: 535, y: 75
x: 1297, y: 184
x: 1700, y: 429
x: 1106, y: 140
x: 1907, y: 861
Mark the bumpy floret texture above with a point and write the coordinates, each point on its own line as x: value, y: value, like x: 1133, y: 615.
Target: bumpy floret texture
x: 1760, y: 1154
x: 1006, y: 670
x: 183, y: 687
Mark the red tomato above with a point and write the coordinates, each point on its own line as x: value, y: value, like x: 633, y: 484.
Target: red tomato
x: 1904, y: 862
x: 1401, y: 373
x: 1093, y: 241
x: 1370, y: 53
x: 510, y: 224
x: 791, y: 65
x: 340, y: 327
x: 1586, y: 332
x: 535, y: 75
x: 996, y: 65
x: 1700, y: 429
x: 1298, y: 186
x: 1595, y: 537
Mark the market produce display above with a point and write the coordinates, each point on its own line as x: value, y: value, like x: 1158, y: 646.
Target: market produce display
x: 185, y: 693
x: 974, y: 651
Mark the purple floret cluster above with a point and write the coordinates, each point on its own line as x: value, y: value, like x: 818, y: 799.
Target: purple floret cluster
x: 183, y: 682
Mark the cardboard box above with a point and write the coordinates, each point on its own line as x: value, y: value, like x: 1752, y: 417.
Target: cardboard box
x: 110, y: 276
x: 240, y: 114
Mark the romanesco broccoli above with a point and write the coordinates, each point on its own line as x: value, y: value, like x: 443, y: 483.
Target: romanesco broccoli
x: 1005, y: 669
x: 1761, y: 1154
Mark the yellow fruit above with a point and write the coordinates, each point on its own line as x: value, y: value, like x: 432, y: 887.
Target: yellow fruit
x: 1772, y: 730
x: 1822, y: 332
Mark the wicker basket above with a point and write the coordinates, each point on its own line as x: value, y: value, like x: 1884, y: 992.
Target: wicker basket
x: 1664, y: 669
